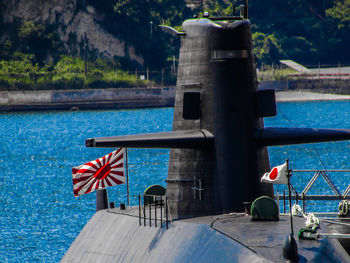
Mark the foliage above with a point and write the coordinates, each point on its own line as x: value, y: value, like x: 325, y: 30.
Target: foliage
x: 219, y: 8
x: 307, y: 31
x: 67, y: 73
x: 30, y: 30
x: 275, y: 72
x: 31, y: 38
x: 341, y: 12
x: 266, y: 47
x: 144, y: 17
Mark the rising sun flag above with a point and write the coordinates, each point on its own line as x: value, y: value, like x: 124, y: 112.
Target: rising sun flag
x: 98, y: 174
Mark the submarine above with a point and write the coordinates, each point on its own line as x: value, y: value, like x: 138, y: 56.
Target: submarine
x: 218, y: 155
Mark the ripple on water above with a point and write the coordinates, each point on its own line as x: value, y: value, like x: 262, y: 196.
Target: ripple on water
x: 40, y: 217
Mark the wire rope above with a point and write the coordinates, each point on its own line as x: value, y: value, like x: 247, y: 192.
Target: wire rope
x: 314, y: 148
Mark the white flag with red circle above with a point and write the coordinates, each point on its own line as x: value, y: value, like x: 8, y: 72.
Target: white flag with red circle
x: 278, y: 175
x: 105, y: 171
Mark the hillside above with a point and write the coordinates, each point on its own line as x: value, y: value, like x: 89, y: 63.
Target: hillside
x: 124, y: 31
x: 52, y: 27
x: 123, y: 34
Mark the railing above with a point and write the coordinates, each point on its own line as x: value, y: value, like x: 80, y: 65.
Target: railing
x: 157, y: 207
x: 303, y: 196
x: 316, y: 72
x: 165, y: 76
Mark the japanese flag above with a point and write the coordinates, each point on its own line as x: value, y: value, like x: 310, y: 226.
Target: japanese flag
x: 278, y: 175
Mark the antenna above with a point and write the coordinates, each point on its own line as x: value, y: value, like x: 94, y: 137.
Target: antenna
x: 289, y: 174
x: 245, y: 15
x: 243, y: 12
x: 290, y: 247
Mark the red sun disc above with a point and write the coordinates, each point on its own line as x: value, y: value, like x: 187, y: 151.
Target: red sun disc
x: 273, y: 174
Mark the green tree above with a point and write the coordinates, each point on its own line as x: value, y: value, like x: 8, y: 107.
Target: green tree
x: 142, y: 19
x: 219, y: 8
x: 39, y: 40
x: 341, y: 12
x: 266, y: 48
x: 306, y: 34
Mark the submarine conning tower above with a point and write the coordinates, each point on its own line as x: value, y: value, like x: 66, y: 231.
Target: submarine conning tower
x: 216, y: 92
x: 218, y: 154
x: 218, y: 143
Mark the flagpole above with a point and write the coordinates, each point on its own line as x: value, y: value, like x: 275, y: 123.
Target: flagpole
x: 290, y: 198
x: 127, y: 176
x: 290, y: 247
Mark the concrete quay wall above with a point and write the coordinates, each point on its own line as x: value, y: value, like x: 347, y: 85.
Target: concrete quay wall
x: 129, y: 98
x: 119, y: 98
x: 334, y: 86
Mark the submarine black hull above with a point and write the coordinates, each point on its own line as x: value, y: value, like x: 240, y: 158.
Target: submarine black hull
x: 218, y: 155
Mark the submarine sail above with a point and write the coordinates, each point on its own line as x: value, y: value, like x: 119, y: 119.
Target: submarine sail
x: 219, y: 143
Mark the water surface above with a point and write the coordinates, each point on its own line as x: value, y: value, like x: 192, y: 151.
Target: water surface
x: 40, y: 217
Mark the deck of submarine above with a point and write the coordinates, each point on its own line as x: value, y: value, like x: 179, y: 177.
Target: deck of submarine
x: 115, y: 235
x: 265, y: 238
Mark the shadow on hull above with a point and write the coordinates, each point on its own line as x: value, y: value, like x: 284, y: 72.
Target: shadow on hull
x: 219, y: 143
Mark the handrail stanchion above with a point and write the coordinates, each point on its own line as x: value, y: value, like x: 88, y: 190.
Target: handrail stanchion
x: 284, y: 201
x: 161, y: 211
x: 144, y: 211
x: 150, y: 213
x: 166, y: 212
x: 155, y: 211
x: 140, y: 210
x: 296, y: 198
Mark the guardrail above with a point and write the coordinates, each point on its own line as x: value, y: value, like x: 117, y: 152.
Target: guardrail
x: 156, y: 205
x: 303, y: 196
x: 316, y: 72
x: 319, y: 76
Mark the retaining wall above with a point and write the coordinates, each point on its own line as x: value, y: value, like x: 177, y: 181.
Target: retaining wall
x: 87, y: 99
x: 121, y: 98
x: 335, y: 86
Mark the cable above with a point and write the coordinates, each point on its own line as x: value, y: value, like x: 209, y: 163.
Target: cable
x: 315, y: 149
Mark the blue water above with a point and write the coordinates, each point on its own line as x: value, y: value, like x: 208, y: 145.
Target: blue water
x: 332, y: 155
x: 40, y: 217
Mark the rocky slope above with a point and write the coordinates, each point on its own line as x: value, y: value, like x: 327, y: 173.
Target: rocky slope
x: 71, y: 20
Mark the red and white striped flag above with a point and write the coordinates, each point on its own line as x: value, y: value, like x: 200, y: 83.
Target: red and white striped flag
x: 105, y: 171
x: 278, y: 175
